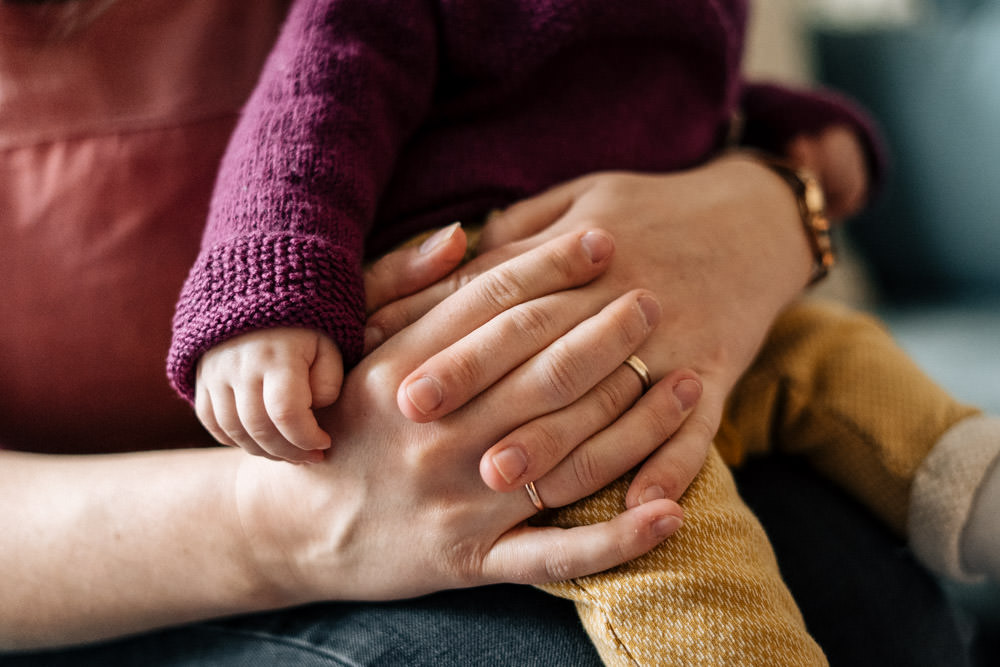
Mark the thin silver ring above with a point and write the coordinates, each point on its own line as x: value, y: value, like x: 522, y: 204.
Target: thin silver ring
x: 635, y: 363
x: 533, y: 495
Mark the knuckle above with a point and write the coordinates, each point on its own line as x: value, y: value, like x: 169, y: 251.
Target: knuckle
x: 229, y: 423
x: 544, y: 440
x: 612, y: 398
x: 457, y: 280
x: 285, y: 420
x: 629, y: 327
x: 390, y: 319
x: 587, y: 471
x: 562, y: 265
x: 625, y: 545
x: 663, y: 421
x: 672, y: 477
x: 463, y: 562
x: 558, y: 564
x: 704, y: 427
x: 501, y: 289
x: 530, y: 321
x: 258, y: 435
x: 562, y: 372
x: 465, y: 371
x: 258, y: 429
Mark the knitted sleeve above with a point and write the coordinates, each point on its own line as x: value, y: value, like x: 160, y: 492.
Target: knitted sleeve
x: 773, y: 115
x: 345, y: 85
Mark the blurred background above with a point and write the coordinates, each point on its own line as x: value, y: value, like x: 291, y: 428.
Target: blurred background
x: 926, y: 257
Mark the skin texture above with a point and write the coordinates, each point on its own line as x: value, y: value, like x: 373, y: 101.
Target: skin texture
x: 721, y: 270
x: 258, y: 390
x: 164, y: 538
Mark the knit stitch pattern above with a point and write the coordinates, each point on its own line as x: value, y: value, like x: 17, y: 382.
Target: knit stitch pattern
x: 265, y: 281
x: 375, y: 120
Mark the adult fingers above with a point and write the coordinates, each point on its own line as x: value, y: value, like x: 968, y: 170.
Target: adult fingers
x: 535, y: 448
x: 535, y: 555
x: 448, y: 380
x: 395, y: 316
x: 567, y: 261
x: 563, y: 371
x: 610, y: 453
x: 672, y: 467
x: 410, y: 269
x: 529, y: 216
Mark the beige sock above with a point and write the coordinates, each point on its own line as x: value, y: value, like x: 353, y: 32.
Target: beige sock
x: 947, y: 492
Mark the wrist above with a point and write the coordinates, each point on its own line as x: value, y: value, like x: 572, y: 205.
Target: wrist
x: 270, y: 539
x: 772, y: 225
x: 292, y: 557
x: 811, y: 204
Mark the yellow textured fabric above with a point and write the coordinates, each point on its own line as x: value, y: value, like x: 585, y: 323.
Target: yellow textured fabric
x: 832, y: 385
x: 710, y: 595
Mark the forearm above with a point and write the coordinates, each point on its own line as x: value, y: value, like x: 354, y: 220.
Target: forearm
x: 100, y: 546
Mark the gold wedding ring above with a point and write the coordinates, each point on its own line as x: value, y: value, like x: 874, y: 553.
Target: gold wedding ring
x: 533, y: 495
x: 635, y: 363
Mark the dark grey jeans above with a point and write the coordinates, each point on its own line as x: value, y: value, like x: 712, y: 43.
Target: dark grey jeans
x: 863, y: 597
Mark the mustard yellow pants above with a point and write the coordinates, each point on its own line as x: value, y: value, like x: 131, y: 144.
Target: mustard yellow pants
x: 830, y: 385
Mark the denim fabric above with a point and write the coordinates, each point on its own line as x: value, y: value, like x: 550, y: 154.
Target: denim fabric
x: 496, y: 625
x: 863, y: 598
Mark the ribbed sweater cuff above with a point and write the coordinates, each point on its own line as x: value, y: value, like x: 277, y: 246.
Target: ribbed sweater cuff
x: 265, y: 281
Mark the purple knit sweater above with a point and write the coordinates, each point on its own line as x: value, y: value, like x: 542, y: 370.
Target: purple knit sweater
x: 376, y: 119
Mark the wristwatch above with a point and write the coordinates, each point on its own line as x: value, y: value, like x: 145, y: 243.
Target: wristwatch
x: 812, y: 210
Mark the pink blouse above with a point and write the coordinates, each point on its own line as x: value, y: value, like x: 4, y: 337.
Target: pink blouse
x: 110, y: 136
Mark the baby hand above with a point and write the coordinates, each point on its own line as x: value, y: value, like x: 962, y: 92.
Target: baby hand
x: 257, y: 391
x: 838, y: 159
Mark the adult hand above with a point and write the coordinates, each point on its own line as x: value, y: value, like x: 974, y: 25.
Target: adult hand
x: 585, y: 444
x: 335, y: 529
x: 722, y: 248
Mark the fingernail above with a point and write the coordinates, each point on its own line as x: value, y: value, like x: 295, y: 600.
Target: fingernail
x: 650, y: 309
x: 650, y: 493
x: 597, y: 246
x: 438, y: 237
x: 688, y: 392
x: 510, y: 463
x: 666, y: 525
x: 425, y: 394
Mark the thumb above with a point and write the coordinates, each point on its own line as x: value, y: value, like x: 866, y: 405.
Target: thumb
x: 527, y: 217
x: 326, y: 374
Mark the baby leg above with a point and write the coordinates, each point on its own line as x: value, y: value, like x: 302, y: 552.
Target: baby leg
x: 831, y: 384
x: 710, y: 595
